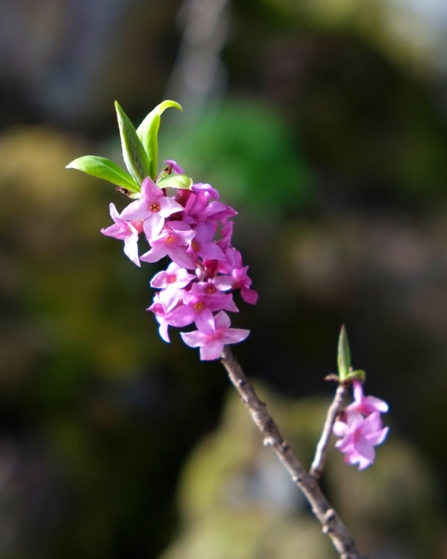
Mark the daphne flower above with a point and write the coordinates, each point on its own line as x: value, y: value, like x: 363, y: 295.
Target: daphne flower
x: 175, y: 167
x: 237, y: 277
x: 172, y: 242
x: 211, y: 345
x: 171, y: 281
x: 199, y: 187
x: 124, y: 231
x: 199, y: 306
x: 202, y: 244
x: 166, y: 318
x: 365, y: 404
x: 153, y: 207
x: 359, y: 437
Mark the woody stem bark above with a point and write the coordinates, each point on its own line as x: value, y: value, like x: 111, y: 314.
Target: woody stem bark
x: 320, y: 455
x: 326, y: 515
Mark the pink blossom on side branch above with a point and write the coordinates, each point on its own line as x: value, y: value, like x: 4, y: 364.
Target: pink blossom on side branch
x: 365, y: 404
x: 359, y: 437
x: 360, y: 427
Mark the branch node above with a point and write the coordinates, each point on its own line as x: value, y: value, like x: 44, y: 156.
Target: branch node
x: 285, y: 445
x: 326, y: 529
x: 329, y: 515
x: 296, y: 479
x: 268, y: 441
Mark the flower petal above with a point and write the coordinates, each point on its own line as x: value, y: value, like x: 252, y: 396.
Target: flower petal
x: 168, y: 206
x: 131, y: 249
x: 179, y: 255
x: 249, y: 296
x: 156, y: 253
x: 378, y: 438
x: 194, y: 339
x: 222, y: 321
x: 205, y: 322
x: 211, y: 350
x: 234, y: 336
x: 364, y: 448
x: 153, y: 225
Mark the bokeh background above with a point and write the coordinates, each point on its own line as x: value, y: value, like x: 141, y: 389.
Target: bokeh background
x: 325, y: 123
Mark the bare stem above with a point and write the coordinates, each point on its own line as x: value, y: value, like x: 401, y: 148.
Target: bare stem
x: 320, y: 455
x: 329, y: 519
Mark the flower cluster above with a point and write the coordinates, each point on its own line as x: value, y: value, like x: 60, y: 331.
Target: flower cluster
x: 196, y: 286
x: 360, y: 428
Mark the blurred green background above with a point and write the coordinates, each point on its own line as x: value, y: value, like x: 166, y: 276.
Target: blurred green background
x: 325, y: 123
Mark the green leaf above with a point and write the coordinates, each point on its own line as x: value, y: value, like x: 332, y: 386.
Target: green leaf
x: 175, y: 181
x: 357, y: 375
x: 344, y: 355
x: 148, y: 134
x: 134, y: 155
x: 104, y: 169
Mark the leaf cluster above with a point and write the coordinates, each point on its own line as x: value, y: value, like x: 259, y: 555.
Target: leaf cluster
x: 140, y: 153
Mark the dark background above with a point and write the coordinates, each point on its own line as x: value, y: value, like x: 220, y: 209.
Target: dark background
x: 325, y: 124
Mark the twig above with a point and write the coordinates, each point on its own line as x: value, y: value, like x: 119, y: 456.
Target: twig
x: 320, y: 455
x: 329, y: 519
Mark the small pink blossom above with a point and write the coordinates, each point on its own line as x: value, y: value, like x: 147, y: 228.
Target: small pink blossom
x: 237, y: 277
x: 172, y: 281
x: 124, y: 231
x: 195, y: 204
x: 359, y: 436
x: 175, y: 167
x: 365, y: 404
x: 172, y: 242
x: 153, y: 207
x: 199, y: 187
x: 166, y: 318
x: 202, y: 244
x: 211, y: 345
x: 199, y: 306
x: 217, y: 211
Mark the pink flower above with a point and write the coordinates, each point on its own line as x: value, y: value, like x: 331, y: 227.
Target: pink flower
x: 207, y: 188
x: 200, y: 208
x: 175, y: 167
x: 172, y: 281
x: 202, y: 244
x: 166, y: 318
x: 365, y: 404
x: 172, y: 242
x: 211, y: 345
x: 238, y: 277
x: 124, y: 231
x: 195, y: 204
x: 359, y: 437
x: 199, y: 306
x: 217, y: 211
x: 153, y: 207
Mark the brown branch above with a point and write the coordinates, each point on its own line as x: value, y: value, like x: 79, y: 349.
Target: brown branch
x: 320, y: 455
x: 329, y: 519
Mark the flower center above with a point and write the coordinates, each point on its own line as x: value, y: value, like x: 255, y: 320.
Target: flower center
x: 170, y: 239
x: 199, y: 306
x: 210, y: 290
x: 154, y: 207
x: 172, y: 279
x: 195, y: 245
